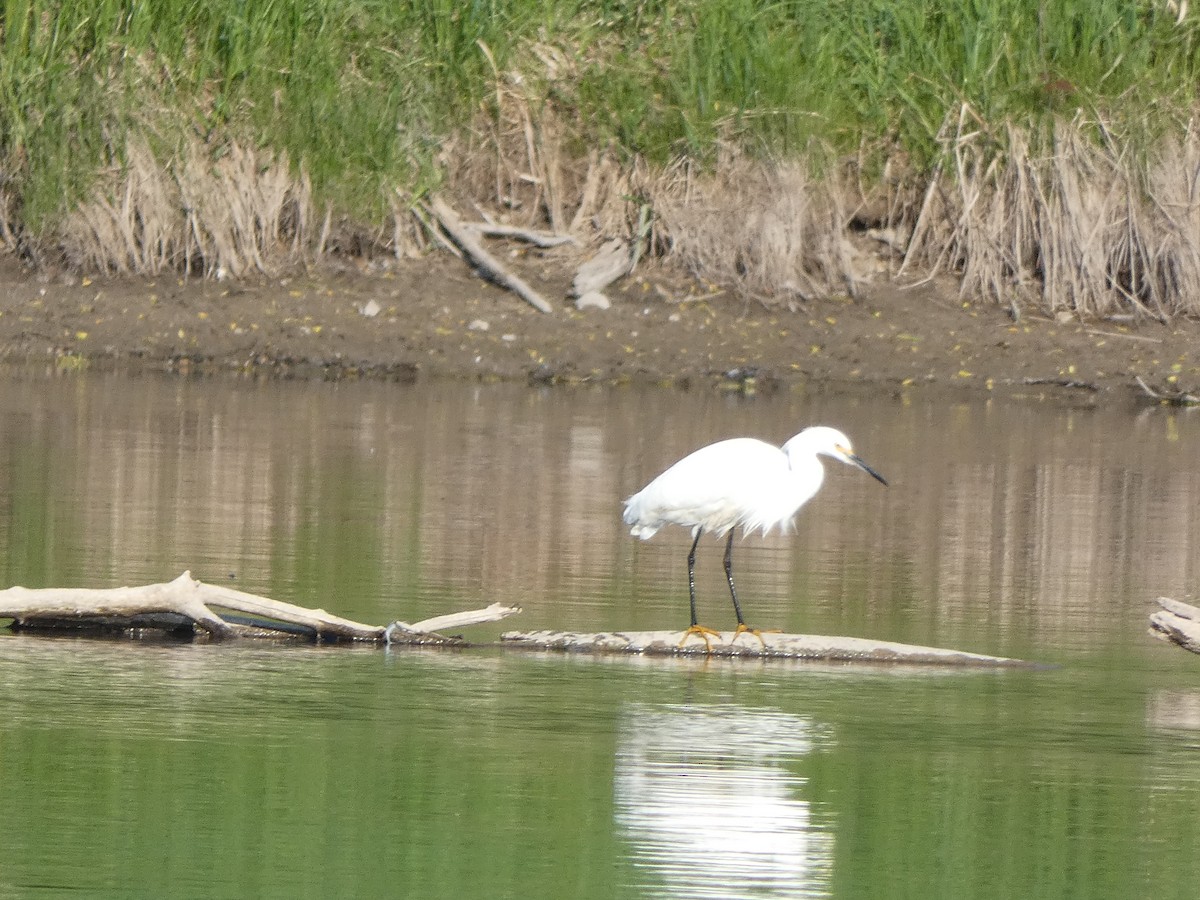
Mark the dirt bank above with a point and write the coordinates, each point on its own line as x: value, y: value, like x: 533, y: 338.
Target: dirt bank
x: 434, y: 318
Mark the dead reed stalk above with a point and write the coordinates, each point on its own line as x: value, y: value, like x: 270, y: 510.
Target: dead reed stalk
x: 243, y: 212
x: 771, y: 229
x: 517, y: 160
x: 1068, y: 220
x: 1084, y: 226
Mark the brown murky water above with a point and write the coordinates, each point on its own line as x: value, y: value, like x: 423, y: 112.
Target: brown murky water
x: 1017, y: 529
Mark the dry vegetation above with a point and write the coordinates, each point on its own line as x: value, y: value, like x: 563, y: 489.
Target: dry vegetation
x: 1041, y: 186
x: 245, y: 212
x: 1084, y: 225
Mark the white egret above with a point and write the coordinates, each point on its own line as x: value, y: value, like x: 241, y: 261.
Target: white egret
x: 739, y: 482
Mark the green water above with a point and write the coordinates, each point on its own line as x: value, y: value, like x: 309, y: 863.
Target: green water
x: 149, y: 770
x: 200, y: 771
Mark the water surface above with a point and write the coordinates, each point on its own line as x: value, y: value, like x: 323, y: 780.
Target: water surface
x: 1017, y: 529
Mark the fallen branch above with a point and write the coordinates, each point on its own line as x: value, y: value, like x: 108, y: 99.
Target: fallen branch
x: 1177, y: 622
x: 438, y: 234
x: 790, y: 646
x: 544, y: 239
x: 1173, y: 398
x: 1128, y: 337
x: 465, y: 236
x: 1066, y: 382
x: 399, y: 632
x: 186, y: 603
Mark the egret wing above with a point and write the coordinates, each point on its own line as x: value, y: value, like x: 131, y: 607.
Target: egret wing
x: 717, y: 488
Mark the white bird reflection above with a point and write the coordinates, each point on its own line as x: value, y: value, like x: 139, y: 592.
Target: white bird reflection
x: 1174, y: 710
x: 705, y: 797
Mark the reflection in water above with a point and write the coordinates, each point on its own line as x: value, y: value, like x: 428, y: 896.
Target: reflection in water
x: 1005, y: 524
x: 1174, y: 710
x: 1007, y: 528
x: 706, y: 799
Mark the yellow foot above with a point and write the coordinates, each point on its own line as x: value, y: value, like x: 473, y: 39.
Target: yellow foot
x: 703, y: 633
x: 757, y: 632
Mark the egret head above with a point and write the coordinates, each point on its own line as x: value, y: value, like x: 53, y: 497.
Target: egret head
x: 826, y: 441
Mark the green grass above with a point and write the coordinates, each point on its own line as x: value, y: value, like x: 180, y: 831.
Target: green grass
x: 362, y: 93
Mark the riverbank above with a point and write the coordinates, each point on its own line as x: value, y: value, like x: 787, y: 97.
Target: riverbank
x: 1050, y: 151
x: 433, y: 318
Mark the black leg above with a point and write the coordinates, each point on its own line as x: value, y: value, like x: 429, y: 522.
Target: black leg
x: 729, y: 575
x: 692, y: 575
x: 704, y: 633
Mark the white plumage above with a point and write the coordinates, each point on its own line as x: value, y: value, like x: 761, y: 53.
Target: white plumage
x: 742, y: 482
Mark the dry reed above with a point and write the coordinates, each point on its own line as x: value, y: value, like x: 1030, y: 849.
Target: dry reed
x: 772, y: 230
x: 1085, y: 227
x: 243, y: 212
x: 518, y: 159
x: 1072, y: 221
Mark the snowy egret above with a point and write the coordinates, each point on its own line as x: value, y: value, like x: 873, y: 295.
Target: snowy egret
x: 739, y: 482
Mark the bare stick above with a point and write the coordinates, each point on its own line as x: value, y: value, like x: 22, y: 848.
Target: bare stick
x: 1150, y: 392
x: 1128, y: 337
x: 402, y: 632
x: 464, y: 236
x: 931, y: 191
x: 443, y: 241
x: 1065, y: 382
x: 1176, y: 398
x: 537, y: 238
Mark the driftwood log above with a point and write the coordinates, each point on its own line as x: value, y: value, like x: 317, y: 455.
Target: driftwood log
x: 466, y: 237
x: 186, y: 604
x: 612, y: 260
x: 817, y: 648
x: 192, y: 607
x: 1177, y: 622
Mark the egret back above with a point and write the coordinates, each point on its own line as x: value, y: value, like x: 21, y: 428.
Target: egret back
x: 739, y: 482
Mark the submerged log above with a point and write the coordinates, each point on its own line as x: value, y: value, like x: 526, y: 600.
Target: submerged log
x: 789, y: 646
x: 186, y: 604
x: 1177, y: 622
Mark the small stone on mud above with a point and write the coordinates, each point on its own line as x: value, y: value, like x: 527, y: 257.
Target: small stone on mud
x: 370, y: 309
x: 478, y: 325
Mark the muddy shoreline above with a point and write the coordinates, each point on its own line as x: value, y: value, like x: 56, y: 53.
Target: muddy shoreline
x: 433, y: 318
